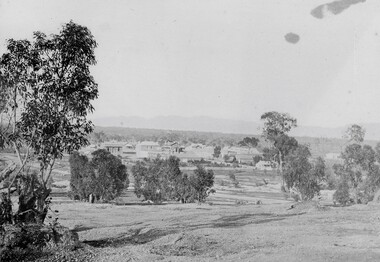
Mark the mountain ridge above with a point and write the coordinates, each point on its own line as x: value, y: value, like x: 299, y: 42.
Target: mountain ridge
x: 211, y: 124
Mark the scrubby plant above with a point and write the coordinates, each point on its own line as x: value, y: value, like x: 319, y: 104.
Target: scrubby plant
x: 202, y: 181
x: 342, y: 194
x: 233, y: 179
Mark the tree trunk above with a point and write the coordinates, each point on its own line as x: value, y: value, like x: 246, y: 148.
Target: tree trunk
x: 280, y: 168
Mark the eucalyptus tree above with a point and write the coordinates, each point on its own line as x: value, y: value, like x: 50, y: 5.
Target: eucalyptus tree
x: 276, y: 127
x: 50, y: 89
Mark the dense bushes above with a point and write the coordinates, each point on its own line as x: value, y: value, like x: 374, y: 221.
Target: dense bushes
x: 302, y: 176
x: 342, y: 193
x: 359, y: 173
x: 159, y: 180
x: 104, y: 176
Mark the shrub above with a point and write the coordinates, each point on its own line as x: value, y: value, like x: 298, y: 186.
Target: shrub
x: 162, y: 180
x: 104, y: 176
x: 233, y: 179
x: 342, y: 194
x: 302, y: 176
x: 202, y: 181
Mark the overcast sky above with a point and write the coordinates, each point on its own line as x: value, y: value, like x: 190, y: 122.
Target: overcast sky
x: 221, y: 58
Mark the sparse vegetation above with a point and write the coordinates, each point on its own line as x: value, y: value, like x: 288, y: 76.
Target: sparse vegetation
x: 233, y: 179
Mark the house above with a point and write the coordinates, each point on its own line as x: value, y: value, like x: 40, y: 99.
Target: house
x: 172, y: 148
x: 129, y: 151
x: 241, y: 154
x: 148, y: 149
x: 115, y: 148
x: 265, y: 165
x: 235, y: 150
x: 190, y: 156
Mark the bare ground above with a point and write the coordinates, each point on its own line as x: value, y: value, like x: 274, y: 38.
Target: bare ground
x: 230, y: 227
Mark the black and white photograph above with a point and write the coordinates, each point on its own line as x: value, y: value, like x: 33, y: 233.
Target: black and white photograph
x: 189, y: 130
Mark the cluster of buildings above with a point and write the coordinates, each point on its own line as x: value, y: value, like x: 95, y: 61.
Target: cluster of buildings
x: 193, y: 152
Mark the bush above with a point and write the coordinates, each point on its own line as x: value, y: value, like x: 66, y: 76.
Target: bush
x: 21, y: 242
x: 162, y: 180
x: 303, y: 176
x: 202, y: 181
x: 104, y: 176
x: 233, y: 179
x: 342, y: 194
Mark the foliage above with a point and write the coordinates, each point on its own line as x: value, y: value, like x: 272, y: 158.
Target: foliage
x: 217, y: 151
x: 155, y: 181
x: 161, y: 180
x: 277, y: 124
x: 49, y: 93
x: 257, y: 159
x: 377, y: 152
x: 27, y: 242
x: 109, y: 177
x: 276, y: 127
x: 80, y: 178
x: 104, y: 176
x: 202, y: 181
x: 233, y: 179
x: 98, y: 137
x: 355, y: 133
x: 359, y: 170
x: 249, y: 142
x: 301, y: 175
x: 358, y: 166
x: 342, y: 194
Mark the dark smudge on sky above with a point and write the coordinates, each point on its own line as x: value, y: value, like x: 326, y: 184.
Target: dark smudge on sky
x: 335, y: 7
x: 292, y: 38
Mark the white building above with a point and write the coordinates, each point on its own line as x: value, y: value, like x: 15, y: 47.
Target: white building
x: 148, y: 149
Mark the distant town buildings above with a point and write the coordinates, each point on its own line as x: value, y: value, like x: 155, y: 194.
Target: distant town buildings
x: 114, y: 148
x: 192, y: 152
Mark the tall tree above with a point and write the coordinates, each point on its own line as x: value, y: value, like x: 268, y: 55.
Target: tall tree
x: 217, y: 151
x: 358, y: 166
x: 50, y: 91
x: 359, y: 170
x: 276, y: 127
x: 355, y: 133
x: 104, y: 176
x: 110, y: 175
x: 303, y: 176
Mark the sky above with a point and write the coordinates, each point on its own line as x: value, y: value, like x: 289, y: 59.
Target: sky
x: 226, y: 59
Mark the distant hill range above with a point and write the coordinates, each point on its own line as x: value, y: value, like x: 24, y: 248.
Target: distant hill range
x: 209, y: 124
